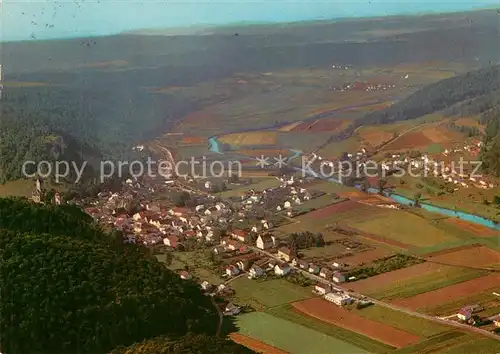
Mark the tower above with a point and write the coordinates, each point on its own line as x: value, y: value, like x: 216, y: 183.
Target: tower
x: 37, y: 194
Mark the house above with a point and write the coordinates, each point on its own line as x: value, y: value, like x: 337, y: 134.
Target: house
x: 282, y: 269
x: 338, y: 265
x: 232, y: 271
x: 171, y: 241
x: 208, y: 184
x: 321, y: 289
x: 219, y: 249
x: 301, y: 264
x: 286, y: 254
x: 325, y: 273
x: 178, y: 211
x: 185, y: 275
x: 338, y: 299
x: 240, y: 235
x: 138, y: 216
x: 313, y: 269
x: 244, y: 264
x: 205, y: 285
x: 496, y: 320
x: 464, y: 314
x: 272, y: 263
x: 255, y: 272
x: 232, y: 245
x: 264, y: 242
x: 338, y: 277
x: 231, y: 310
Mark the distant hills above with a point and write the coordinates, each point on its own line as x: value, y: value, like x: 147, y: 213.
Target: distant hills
x: 100, y: 93
x: 476, y: 91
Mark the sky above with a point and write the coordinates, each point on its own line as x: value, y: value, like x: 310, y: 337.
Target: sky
x: 47, y: 19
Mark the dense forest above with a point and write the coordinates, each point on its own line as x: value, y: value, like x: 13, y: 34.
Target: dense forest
x: 68, y: 287
x: 476, y: 91
x: 96, y: 120
x: 189, y: 344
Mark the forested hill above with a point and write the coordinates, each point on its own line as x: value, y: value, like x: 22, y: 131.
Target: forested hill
x: 476, y: 90
x: 68, y: 287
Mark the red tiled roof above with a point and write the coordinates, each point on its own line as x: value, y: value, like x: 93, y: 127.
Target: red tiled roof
x: 239, y: 232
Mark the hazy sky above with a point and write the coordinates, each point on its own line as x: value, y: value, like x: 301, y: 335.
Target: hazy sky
x: 23, y: 19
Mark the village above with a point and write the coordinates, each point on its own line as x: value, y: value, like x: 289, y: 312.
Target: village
x: 235, y: 236
x: 253, y: 252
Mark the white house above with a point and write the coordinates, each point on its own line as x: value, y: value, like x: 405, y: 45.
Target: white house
x: 286, y: 254
x: 313, y: 269
x: 321, y: 289
x: 464, y: 314
x: 255, y: 272
x: 219, y: 249
x: 282, y: 269
x: 287, y: 205
x: 338, y: 277
x: 208, y: 184
x: 205, y: 285
x: 338, y: 299
x: 264, y: 242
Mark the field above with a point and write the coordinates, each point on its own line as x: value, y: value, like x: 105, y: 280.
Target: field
x: 335, y: 150
x: 268, y: 293
x: 475, y: 345
x: 365, y: 257
x: 412, y: 140
x: 318, y: 203
x: 411, y: 324
x: 469, y: 256
x: 341, y: 207
x: 374, y: 137
x: 254, y: 344
x: 375, y: 284
x: 414, y: 280
x: 181, y: 260
x: 330, y: 313
x: 448, y: 294
x: 489, y: 301
x: 249, y: 138
x: 19, y: 188
x: 322, y: 125
x: 475, y: 229
x: 289, y: 313
x: 193, y: 140
x: 289, y: 336
x: 264, y: 152
x: 406, y: 228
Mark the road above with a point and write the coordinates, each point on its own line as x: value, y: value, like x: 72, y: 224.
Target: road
x: 221, y: 318
x: 384, y: 304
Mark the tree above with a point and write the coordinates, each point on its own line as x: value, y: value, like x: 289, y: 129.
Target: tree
x: 189, y: 344
x: 92, y: 292
x: 417, y: 199
x: 382, y: 183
